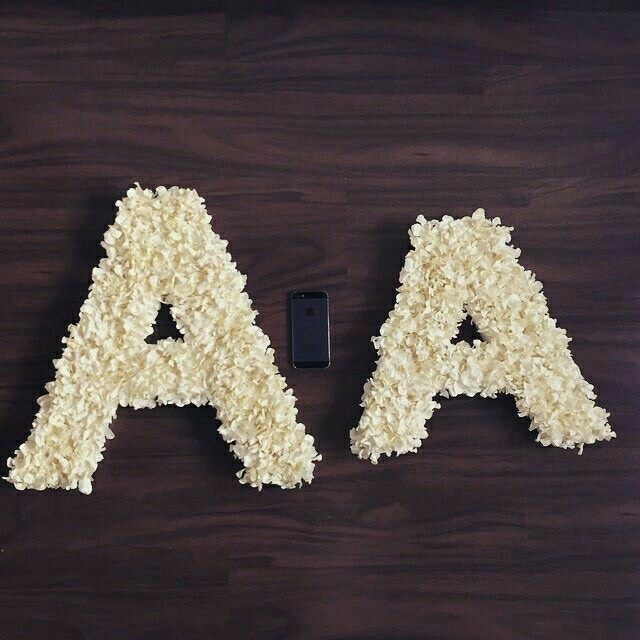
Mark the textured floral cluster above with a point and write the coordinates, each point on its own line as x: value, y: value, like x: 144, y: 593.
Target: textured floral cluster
x: 162, y: 248
x: 467, y: 267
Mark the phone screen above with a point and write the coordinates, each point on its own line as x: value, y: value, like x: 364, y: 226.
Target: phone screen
x: 310, y: 329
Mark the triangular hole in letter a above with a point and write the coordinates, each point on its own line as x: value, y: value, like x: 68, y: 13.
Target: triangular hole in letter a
x: 467, y: 332
x: 164, y: 326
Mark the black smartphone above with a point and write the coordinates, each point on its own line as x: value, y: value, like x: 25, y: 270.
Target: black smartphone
x: 309, y: 311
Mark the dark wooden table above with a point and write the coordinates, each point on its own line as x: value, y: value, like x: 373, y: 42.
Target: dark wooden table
x: 317, y: 135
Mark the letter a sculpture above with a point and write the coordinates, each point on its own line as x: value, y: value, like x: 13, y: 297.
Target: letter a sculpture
x: 161, y: 248
x: 467, y: 267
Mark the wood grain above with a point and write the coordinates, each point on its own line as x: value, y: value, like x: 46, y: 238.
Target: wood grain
x: 317, y: 133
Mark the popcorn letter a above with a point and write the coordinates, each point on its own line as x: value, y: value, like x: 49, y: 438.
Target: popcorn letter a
x: 459, y: 268
x: 161, y: 248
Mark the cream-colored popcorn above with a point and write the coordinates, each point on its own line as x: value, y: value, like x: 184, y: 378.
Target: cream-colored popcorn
x: 460, y: 267
x: 162, y: 248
